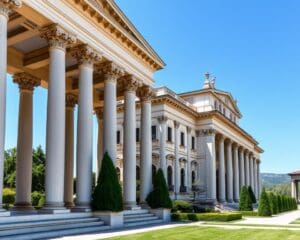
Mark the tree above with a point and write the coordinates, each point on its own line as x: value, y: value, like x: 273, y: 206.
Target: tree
x: 107, y: 195
x: 251, y: 194
x: 245, y: 203
x: 279, y: 203
x: 159, y: 197
x: 264, y: 208
x: 273, y: 202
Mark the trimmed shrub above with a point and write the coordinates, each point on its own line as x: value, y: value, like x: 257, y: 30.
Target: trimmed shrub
x: 264, y: 208
x: 182, y: 206
x: 251, y: 194
x: 279, y: 204
x: 273, y: 203
x: 192, y: 217
x: 217, y: 217
x: 41, y: 201
x: 245, y: 203
x: 159, y: 197
x: 249, y: 213
x: 107, y: 195
x: 35, y: 197
x: 8, y: 196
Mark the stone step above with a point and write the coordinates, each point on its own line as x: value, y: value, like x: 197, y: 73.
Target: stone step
x: 52, y: 227
x: 132, y: 212
x: 140, y: 219
x: 141, y: 223
x: 138, y: 215
x: 16, y: 225
x: 56, y: 234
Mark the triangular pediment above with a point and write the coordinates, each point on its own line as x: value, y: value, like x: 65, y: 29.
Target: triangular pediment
x: 228, y: 99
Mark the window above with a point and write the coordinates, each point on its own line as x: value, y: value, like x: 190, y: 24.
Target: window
x: 216, y: 105
x: 170, y: 176
x: 193, y: 143
x: 118, y: 137
x: 137, y: 135
x: 182, y: 138
x: 153, y: 132
x: 224, y: 111
x: 169, y: 134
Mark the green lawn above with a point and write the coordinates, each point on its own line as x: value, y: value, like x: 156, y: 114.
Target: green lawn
x: 203, y: 233
x: 296, y: 221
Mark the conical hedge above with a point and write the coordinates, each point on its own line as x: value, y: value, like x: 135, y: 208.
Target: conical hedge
x: 245, y: 203
x: 264, y: 208
x: 252, y: 195
x: 159, y: 197
x: 107, y: 195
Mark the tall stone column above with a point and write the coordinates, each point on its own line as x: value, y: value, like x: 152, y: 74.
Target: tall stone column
x: 99, y: 113
x: 162, y: 120
x: 229, y: 176
x: 236, y: 179
x: 258, y: 178
x: 129, y: 149
x: 71, y: 100
x: 145, y: 95
x: 247, y: 169
x: 26, y: 83
x: 242, y: 168
x: 255, y: 177
x: 189, y: 162
x: 222, y: 195
x: 293, y: 189
x: 5, y: 7
x: 176, y: 165
x: 208, y: 136
x: 251, y: 168
x: 110, y: 72
x: 58, y: 40
x: 86, y: 57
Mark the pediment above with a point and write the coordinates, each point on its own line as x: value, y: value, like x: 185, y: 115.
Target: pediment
x: 228, y: 99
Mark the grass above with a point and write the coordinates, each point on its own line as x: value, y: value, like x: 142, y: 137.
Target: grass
x: 203, y: 233
x: 296, y: 221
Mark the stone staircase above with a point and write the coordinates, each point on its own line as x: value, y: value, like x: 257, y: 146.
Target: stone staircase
x: 49, y: 226
x: 139, y: 217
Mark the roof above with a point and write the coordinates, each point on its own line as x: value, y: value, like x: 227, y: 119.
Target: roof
x: 295, y: 173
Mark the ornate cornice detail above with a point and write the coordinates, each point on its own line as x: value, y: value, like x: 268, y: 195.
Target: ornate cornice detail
x: 85, y: 54
x: 26, y: 81
x: 71, y: 100
x: 129, y: 83
x: 162, y: 119
x: 99, y: 112
x: 110, y: 71
x: 145, y: 93
x: 207, y: 132
x: 57, y: 36
x: 7, y: 5
x: 176, y: 124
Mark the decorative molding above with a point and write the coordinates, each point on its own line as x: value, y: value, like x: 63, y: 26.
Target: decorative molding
x: 85, y: 54
x: 71, y: 100
x: 57, y: 36
x: 207, y: 132
x: 176, y: 124
x: 162, y: 119
x: 145, y: 93
x: 110, y: 71
x: 26, y: 81
x: 6, y: 6
x: 129, y: 83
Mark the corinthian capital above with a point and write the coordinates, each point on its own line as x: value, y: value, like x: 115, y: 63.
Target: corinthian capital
x: 85, y: 54
x: 71, y: 100
x: 7, y: 5
x: 207, y: 132
x: 145, y: 93
x: 109, y: 70
x: 26, y: 81
x: 129, y: 83
x: 57, y: 36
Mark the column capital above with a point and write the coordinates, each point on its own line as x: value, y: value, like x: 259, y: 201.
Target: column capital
x: 129, y: 83
x: 145, y: 93
x: 57, y: 37
x: 110, y: 71
x: 26, y: 81
x: 86, y: 55
x: 188, y: 129
x: 7, y: 5
x: 176, y: 124
x: 207, y: 132
x: 99, y: 112
x: 162, y: 119
x: 71, y: 100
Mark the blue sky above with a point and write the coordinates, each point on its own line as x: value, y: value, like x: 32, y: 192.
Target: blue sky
x: 251, y: 47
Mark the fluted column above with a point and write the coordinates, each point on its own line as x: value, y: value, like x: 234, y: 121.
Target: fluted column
x: 236, y: 179
x: 86, y: 57
x: 99, y: 113
x: 58, y: 40
x: 247, y: 169
x: 208, y: 136
x: 26, y: 83
x: 251, y: 168
x: 129, y: 149
x: 188, y: 162
x: 229, y: 175
x: 176, y: 165
x: 242, y: 168
x: 293, y: 189
x: 255, y: 178
x: 69, y: 150
x: 110, y: 72
x: 5, y: 7
x: 258, y: 178
x: 221, y: 194
x: 162, y: 120
x: 145, y: 94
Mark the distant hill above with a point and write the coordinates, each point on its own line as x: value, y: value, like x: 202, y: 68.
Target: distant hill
x: 270, y: 179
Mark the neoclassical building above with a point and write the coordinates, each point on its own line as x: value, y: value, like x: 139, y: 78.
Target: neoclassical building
x: 197, y: 142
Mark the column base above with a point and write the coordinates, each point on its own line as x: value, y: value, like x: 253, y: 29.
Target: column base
x: 4, y: 213
x: 131, y: 206
x: 236, y: 200
x: 82, y: 207
x: 69, y: 204
x: 229, y: 201
x: 23, y: 208
x: 54, y: 208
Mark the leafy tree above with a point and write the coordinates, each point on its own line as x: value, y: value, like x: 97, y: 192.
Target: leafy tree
x: 9, y: 180
x: 159, y: 197
x: 107, y: 195
x: 252, y: 195
x: 264, y: 208
x: 245, y: 203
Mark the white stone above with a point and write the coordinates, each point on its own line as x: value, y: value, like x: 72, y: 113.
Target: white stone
x: 162, y: 213
x: 113, y: 219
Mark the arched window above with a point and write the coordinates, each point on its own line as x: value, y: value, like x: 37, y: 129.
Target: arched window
x: 182, y: 175
x: 170, y: 176
x: 118, y: 173
x: 193, y: 177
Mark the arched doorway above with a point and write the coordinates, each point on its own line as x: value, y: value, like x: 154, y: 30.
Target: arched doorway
x: 170, y: 177
x: 182, y: 180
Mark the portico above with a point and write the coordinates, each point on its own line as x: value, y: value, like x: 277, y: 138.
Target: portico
x: 295, y: 179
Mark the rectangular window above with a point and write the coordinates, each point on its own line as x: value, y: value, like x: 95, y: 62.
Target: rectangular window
x: 153, y: 132
x: 193, y: 143
x: 118, y: 137
x: 137, y: 135
x: 182, y: 139
x: 169, y: 134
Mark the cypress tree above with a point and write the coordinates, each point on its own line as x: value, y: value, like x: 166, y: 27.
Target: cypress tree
x: 273, y: 203
x: 107, y: 195
x: 245, y: 203
x: 279, y: 204
x: 264, y: 208
x: 159, y: 197
x: 252, y: 195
